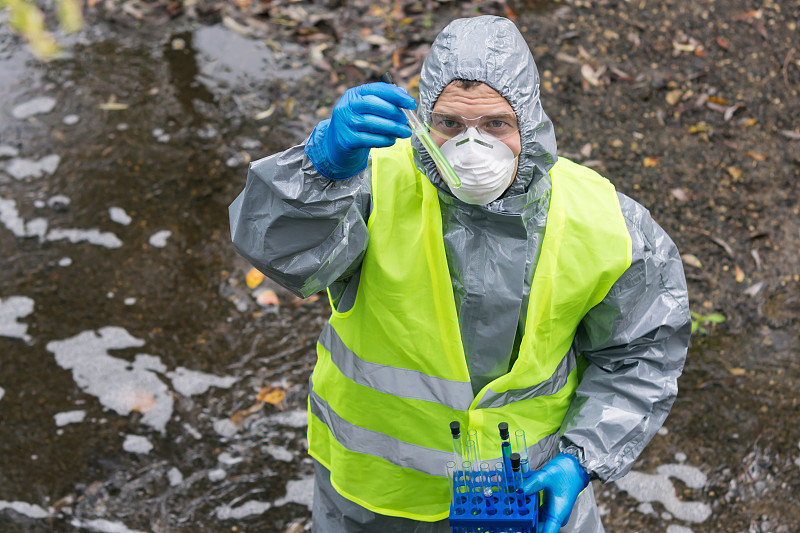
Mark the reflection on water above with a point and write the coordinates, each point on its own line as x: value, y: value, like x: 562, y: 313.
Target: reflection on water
x: 127, y: 341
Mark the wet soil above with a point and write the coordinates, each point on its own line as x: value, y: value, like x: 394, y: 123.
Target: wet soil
x: 688, y: 107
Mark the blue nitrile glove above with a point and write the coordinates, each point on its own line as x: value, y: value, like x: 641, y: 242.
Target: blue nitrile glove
x: 367, y: 116
x: 562, y: 479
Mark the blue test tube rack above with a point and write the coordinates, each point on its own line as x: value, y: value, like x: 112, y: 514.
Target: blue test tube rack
x: 469, y: 512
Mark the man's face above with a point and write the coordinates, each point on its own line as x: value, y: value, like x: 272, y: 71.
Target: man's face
x: 475, y: 102
x: 478, y: 101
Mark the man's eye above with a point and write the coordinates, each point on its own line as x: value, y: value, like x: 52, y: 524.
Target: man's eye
x: 497, y: 124
x: 447, y: 123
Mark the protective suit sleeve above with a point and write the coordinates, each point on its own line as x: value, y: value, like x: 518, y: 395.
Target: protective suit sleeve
x: 635, y: 341
x: 299, y: 228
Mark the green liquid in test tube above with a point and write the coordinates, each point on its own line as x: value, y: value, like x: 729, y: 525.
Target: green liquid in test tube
x: 419, y: 129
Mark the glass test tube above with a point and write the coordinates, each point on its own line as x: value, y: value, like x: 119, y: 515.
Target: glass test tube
x: 488, y: 491
x: 472, y: 434
x: 522, y: 450
x: 472, y: 456
x: 466, y: 468
x: 502, y: 482
x: 505, y: 447
x: 517, y: 475
x: 458, y: 452
x: 450, y: 469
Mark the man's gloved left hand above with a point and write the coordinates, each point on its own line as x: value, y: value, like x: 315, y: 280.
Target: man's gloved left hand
x: 561, y: 479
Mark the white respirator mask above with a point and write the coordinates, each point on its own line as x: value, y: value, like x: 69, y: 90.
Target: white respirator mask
x: 485, y: 166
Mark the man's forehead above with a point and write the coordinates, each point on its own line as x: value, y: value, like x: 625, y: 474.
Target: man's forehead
x: 480, y: 98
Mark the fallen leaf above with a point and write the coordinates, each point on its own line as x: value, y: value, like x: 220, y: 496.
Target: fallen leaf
x: 757, y: 157
x: 700, y: 127
x: 691, y: 260
x: 266, y: 113
x: 725, y: 246
x: 239, y: 417
x: 566, y: 58
x: 267, y: 297
x: 271, y: 395
x: 137, y: 400
x: 756, y: 257
x: 673, y: 97
x: 112, y: 104
x: 586, y: 150
x: 593, y: 75
x: 739, y: 274
x: 651, y: 161
x: 723, y: 43
x: 718, y: 100
x: 735, y: 172
x: 680, y: 195
x: 377, y: 40
x: 754, y: 289
x: 254, y: 278
x: 789, y: 134
x: 738, y: 371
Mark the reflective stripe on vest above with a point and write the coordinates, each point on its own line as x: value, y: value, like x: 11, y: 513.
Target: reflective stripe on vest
x: 391, y: 372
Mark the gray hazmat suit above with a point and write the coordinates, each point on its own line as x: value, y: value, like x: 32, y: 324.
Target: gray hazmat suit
x: 308, y: 233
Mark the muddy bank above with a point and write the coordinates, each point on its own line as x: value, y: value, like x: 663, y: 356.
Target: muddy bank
x: 143, y: 387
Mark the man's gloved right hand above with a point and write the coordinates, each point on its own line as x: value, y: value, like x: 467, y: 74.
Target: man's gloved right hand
x: 367, y: 116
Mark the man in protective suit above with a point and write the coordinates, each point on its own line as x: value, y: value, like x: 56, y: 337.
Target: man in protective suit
x: 534, y: 294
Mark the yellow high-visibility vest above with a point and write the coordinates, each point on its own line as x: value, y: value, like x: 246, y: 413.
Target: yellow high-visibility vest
x: 391, y: 372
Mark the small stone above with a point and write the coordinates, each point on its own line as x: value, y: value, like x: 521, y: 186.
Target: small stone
x: 662, y: 431
x: 64, y: 262
x: 680, y: 457
x: 129, y: 301
x: 71, y: 120
x: 122, y: 126
x: 178, y: 44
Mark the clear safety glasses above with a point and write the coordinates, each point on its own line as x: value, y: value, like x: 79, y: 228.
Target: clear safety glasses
x: 499, y: 126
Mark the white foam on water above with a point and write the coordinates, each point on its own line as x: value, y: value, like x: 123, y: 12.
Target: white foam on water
x: 658, y: 487
x: 69, y: 417
x: 280, y: 453
x: 36, y: 106
x: 9, y: 217
x: 21, y: 169
x: 251, y: 508
x: 118, y: 215
x: 191, y: 382
x: 38, y: 227
x: 678, y: 529
x: 295, y: 419
x: 137, y: 444
x: 229, y: 460
x: 298, y: 491
x: 8, y: 151
x: 103, y: 526
x: 118, y: 384
x: 159, y: 239
x: 12, y: 309
x: 23, y: 508
x: 92, y: 236
x: 174, y: 477
x: 218, y: 474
